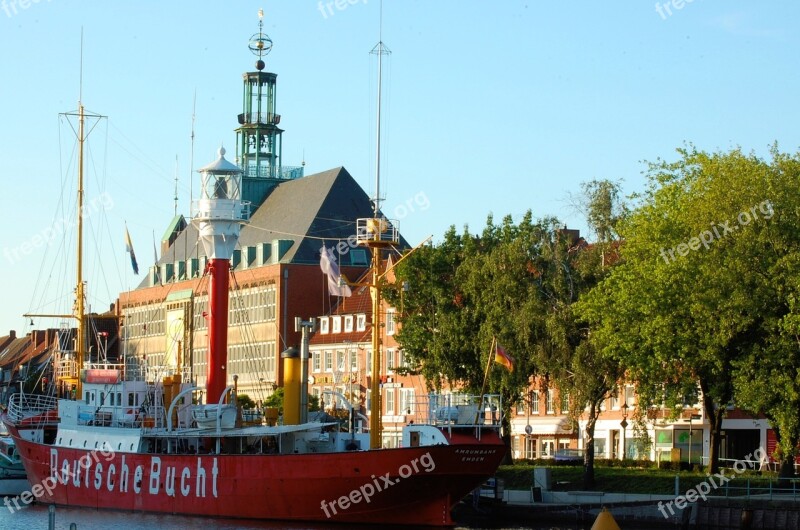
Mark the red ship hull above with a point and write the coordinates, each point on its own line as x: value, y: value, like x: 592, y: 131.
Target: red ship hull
x: 414, y: 485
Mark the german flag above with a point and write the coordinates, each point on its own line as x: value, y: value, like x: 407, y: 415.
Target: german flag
x: 501, y: 357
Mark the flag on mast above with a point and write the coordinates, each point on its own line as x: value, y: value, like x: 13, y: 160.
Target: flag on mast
x: 336, y: 284
x: 502, y: 357
x: 155, y: 259
x: 129, y: 248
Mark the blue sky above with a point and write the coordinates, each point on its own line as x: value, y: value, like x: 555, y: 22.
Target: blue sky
x: 491, y: 107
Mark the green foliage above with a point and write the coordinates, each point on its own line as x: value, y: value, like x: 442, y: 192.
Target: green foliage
x: 705, y: 286
x: 244, y: 401
x: 276, y: 400
x: 516, y: 284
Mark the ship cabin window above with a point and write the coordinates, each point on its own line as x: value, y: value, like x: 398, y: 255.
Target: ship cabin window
x: 130, y: 399
x: 87, y: 397
x: 119, y: 399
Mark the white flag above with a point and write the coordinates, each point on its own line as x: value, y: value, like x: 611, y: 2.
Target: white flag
x: 327, y: 262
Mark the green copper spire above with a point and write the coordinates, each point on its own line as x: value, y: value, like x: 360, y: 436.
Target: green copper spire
x: 258, y: 137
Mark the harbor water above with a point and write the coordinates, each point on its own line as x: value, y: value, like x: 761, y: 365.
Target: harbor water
x: 36, y: 517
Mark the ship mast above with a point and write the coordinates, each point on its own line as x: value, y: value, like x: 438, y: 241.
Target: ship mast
x: 377, y: 234
x: 80, y: 346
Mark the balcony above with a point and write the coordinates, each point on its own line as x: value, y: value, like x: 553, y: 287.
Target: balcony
x: 259, y: 118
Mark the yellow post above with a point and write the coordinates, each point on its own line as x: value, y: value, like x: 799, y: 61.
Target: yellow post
x: 605, y: 521
x: 291, y: 386
x: 375, y: 435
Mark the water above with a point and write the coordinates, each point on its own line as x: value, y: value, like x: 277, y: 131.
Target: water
x: 36, y: 517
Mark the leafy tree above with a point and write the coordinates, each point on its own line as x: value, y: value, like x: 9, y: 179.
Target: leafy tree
x: 515, y: 283
x: 244, y: 401
x: 695, y: 283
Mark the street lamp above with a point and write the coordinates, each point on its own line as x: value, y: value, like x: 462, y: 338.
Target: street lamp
x: 624, y: 425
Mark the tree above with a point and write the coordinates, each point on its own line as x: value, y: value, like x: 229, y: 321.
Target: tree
x: 514, y: 283
x: 695, y: 283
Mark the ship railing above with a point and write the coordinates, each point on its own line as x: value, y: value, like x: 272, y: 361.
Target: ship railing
x: 35, y: 409
x: 66, y: 368
x: 145, y: 417
x: 221, y: 209
x: 377, y: 230
x: 456, y: 410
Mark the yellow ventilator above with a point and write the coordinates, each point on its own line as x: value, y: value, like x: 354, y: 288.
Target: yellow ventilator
x: 291, y: 386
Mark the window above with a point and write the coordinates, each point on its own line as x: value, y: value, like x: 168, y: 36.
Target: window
x: 340, y: 360
x: 600, y: 448
x: 361, y: 322
x: 563, y: 443
x: 390, y: 401
x: 368, y: 401
x: 530, y: 447
x: 402, y: 362
x: 564, y: 402
x: 390, y: 321
x: 615, y: 399
x: 337, y: 324
x: 549, y: 403
x: 323, y: 325
x: 315, y: 358
x: 548, y: 448
x: 630, y: 397
x: 407, y: 401
x: 348, y: 323
x: 269, y: 360
x: 353, y: 360
x: 328, y: 361
x: 521, y: 405
x: 389, y: 361
x: 358, y: 257
x: 534, y: 402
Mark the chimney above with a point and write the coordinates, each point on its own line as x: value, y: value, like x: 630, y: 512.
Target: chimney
x: 12, y: 334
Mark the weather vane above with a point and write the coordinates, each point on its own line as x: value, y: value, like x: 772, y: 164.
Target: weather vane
x: 260, y: 43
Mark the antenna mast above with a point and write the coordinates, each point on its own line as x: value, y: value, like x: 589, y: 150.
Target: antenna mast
x: 175, y: 199
x: 380, y: 50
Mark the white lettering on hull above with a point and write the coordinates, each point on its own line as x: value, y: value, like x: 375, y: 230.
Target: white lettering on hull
x: 115, y: 477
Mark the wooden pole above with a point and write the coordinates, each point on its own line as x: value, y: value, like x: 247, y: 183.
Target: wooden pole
x: 485, y: 378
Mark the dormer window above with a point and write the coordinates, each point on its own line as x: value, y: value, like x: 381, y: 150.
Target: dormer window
x: 337, y: 324
x: 323, y: 325
x: 348, y: 324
